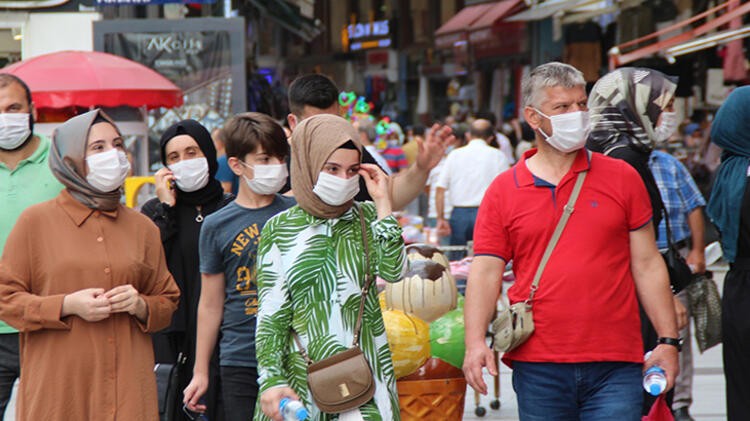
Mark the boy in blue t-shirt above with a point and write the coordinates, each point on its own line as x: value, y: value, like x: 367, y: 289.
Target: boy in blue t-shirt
x: 256, y: 149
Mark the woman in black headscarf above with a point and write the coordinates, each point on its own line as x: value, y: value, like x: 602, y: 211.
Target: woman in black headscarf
x: 186, y: 191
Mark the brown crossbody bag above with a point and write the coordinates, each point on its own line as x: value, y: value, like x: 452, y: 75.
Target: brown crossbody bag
x: 344, y: 380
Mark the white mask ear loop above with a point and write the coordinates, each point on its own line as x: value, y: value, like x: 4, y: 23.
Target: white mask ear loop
x: 546, y: 136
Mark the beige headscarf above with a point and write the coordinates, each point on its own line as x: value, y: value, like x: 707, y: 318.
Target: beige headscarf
x: 67, y: 159
x: 313, y: 141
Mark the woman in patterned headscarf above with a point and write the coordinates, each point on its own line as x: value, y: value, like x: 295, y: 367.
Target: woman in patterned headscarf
x: 625, y: 106
x: 311, y: 271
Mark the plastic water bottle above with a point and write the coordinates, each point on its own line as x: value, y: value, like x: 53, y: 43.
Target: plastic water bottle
x: 654, y: 380
x: 293, y: 410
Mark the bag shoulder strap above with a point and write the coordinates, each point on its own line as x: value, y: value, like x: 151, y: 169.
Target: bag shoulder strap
x: 569, y: 207
x: 665, y: 216
x: 369, y: 279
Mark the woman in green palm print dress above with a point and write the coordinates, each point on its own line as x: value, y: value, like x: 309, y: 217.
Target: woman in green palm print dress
x: 311, y: 269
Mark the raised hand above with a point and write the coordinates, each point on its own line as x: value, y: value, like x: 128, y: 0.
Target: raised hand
x: 165, y: 190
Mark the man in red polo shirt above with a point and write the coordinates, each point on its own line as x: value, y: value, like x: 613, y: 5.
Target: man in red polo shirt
x: 584, y: 360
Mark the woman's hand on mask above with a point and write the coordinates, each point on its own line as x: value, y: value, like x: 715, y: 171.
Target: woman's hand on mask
x: 379, y: 186
x: 165, y: 191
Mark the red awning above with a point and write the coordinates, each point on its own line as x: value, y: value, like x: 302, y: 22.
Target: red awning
x: 90, y: 79
x: 456, y: 28
x: 491, y: 35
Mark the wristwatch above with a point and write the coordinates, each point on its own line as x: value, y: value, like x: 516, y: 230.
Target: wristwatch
x: 675, y: 342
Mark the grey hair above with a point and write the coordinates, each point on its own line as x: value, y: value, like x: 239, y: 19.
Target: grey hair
x: 549, y: 75
x: 368, y: 127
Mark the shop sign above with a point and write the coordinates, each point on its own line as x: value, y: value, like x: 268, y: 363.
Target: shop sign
x: 367, y: 35
x: 189, y: 59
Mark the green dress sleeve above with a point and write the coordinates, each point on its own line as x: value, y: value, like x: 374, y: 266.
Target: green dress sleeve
x: 274, y: 312
x: 387, y: 244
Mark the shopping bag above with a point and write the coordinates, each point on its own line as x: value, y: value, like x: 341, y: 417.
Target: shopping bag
x: 705, y: 307
x: 659, y: 411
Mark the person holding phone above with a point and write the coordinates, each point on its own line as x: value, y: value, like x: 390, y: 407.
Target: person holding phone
x: 186, y: 193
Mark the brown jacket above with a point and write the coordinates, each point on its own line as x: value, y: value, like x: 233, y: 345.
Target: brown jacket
x: 72, y: 369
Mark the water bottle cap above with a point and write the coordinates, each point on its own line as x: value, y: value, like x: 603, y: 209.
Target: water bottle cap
x: 655, y: 390
x: 302, y: 414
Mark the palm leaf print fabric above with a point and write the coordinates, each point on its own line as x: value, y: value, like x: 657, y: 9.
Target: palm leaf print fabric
x: 310, y: 276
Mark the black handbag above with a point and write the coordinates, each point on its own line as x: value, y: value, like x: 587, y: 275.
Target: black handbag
x: 167, y: 387
x: 680, y: 274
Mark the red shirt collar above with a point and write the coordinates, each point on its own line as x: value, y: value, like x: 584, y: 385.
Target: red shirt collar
x: 524, y: 177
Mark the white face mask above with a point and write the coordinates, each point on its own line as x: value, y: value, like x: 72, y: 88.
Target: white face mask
x: 107, y: 170
x: 569, y: 130
x: 666, y: 127
x: 334, y: 190
x: 268, y: 179
x: 14, y: 130
x: 190, y: 174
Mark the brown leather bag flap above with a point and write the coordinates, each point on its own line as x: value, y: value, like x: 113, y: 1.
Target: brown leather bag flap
x: 343, y: 377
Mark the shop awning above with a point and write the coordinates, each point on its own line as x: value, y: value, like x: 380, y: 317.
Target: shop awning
x: 491, y: 35
x: 456, y: 29
x: 685, y: 42
x: 481, y: 30
x: 549, y: 8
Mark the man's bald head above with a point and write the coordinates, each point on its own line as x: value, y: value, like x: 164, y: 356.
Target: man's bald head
x: 481, y: 129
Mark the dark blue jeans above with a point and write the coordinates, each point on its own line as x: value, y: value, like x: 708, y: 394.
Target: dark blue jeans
x: 462, y: 229
x: 599, y: 391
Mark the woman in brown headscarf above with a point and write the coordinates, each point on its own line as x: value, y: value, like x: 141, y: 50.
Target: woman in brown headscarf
x: 84, y: 281
x: 311, y: 270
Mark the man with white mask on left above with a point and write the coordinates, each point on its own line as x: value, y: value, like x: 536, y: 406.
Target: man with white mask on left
x: 25, y: 180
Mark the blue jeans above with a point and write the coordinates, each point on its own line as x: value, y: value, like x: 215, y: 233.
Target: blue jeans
x: 462, y: 229
x: 583, y: 391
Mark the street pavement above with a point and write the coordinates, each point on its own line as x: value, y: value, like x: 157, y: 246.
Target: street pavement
x: 708, y: 383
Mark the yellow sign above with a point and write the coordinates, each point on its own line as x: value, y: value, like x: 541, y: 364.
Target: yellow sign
x: 133, y: 186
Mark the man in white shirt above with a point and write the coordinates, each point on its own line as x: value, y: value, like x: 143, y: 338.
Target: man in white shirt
x: 467, y: 173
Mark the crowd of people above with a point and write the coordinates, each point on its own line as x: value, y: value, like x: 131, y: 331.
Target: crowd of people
x: 254, y: 258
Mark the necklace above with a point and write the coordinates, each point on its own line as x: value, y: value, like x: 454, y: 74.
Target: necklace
x: 199, y: 218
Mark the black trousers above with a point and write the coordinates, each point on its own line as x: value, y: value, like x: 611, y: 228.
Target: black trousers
x: 167, y: 347
x: 10, y: 368
x: 239, y: 387
x: 735, y: 330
